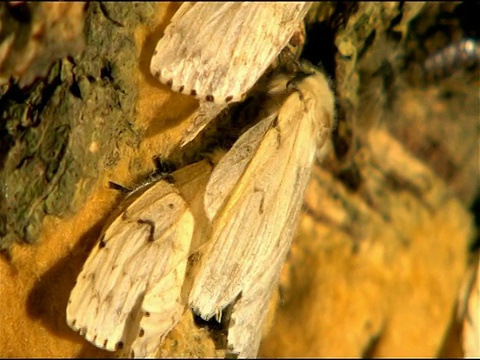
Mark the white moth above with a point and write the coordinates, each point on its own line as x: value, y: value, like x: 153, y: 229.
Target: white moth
x: 129, y: 292
x: 471, y: 322
x: 216, y: 51
x: 253, y: 199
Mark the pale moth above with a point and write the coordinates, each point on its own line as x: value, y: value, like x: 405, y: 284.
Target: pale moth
x: 471, y: 321
x: 216, y: 51
x: 253, y: 199
x: 129, y: 292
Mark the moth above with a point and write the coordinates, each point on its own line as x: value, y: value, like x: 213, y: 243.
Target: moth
x: 253, y: 199
x: 216, y: 51
x: 129, y: 293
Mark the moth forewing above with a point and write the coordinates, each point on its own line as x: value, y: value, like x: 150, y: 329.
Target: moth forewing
x: 202, y: 116
x: 162, y: 306
x: 254, y: 224
x: 236, y: 230
x: 217, y: 51
x: 233, y: 165
x: 129, y: 292
x: 249, y: 312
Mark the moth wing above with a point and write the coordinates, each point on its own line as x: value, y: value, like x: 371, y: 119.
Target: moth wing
x: 217, y: 51
x: 253, y: 230
x: 231, y: 167
x: 249, y: 311
x: 162, y: 307
x: 205, y: 113
x: 139, y: 249
x: 471, y: 322
x: 247, y: 232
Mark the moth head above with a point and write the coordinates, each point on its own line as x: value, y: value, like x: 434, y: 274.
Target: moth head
x: 304, y: 70
x: 297, y: 79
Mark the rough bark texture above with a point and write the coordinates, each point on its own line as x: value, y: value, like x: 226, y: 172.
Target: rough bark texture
x: 384, y: 241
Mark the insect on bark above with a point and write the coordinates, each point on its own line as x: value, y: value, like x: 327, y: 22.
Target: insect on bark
x: 129, y: 293
x: 253, y: 199
x: 216, y: 51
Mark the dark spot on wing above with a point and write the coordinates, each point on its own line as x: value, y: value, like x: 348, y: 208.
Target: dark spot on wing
x: 181, y: 88
x: 141, y: 333
x: 209, y: 98
x: 157, y: 74
x: 119, y: 345
x: 147, y: 314
x: 228, y: 98
x: 171, y: 206
x: 193, y: 92
x: 105, y: 343
x: 169, y: 83
x: 151, y: 224
x: 102, y: 243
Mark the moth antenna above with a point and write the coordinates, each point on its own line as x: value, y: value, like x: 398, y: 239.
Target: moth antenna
x: 121, y: 188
